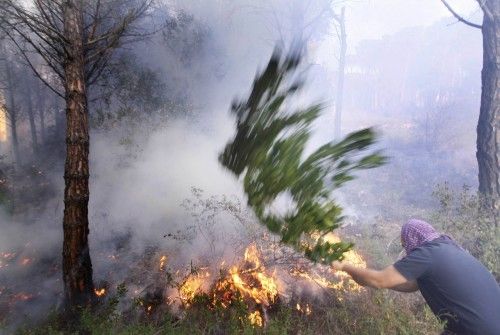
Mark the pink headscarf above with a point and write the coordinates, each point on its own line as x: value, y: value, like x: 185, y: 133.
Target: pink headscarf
x: 416, y: 232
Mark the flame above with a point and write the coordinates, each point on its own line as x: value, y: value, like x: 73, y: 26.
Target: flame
x: 163, y: 261
x: 5, y: 258
x: 344, y: 282
x: 100, y: 292
x: 256, y: 319
x: 8, y: 255
x: 22, y: 296
x: 247, y: 281
x: 307, y: 310
x: 25, y: 261
x: 250, y: 281
x: 191, y: 286
x: 351, y: 257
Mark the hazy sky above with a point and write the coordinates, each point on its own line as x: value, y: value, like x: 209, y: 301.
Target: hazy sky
x: 375, y: 18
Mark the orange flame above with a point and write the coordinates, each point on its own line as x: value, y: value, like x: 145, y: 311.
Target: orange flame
x: 22, y: 296
x: 247, y: 281
x: 163, y: 261
x: 307, y: 310
x: 25, y: 261
x: 251, y: 281
x: 345, y: 282
x: 351, y: 257
x: 191, y: 286
x: 100, y: 292
x: 256, y: 319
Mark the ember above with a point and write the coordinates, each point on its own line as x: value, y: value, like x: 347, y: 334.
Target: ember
x: 163, y: 261
x: 307, y: 310
x: 256, y: 319
x: 100, y: 292
x: 22, y: 296
x: 25, y: 261
x: 8, y: 255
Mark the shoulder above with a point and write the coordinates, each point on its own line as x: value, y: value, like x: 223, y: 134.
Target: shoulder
x: 416, y: 264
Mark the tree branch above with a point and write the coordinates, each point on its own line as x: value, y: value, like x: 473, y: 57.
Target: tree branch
x: 29, y: 18
x: 459, y: 18
x: 49, y: 58
x: 486, y: 10
x: 35, y: 71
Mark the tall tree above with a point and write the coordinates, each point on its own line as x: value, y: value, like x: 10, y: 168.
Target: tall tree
x: 11, y: 106
x: 41, y: 105
x: 76, y: 40
x: 28, y: 87
x: 339, y: 94
x: 488, y: 133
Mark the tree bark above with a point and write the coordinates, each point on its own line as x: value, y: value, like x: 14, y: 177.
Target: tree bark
x: 488, y: 135
x: 14, y: 139
x: 31, y: 118
x: 339, y: 96
x: 58, y: 120
x: 41, y: 113
x: 77, y: 267
x: 12, y: 113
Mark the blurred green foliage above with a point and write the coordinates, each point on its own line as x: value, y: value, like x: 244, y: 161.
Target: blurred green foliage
x: 268, y: 150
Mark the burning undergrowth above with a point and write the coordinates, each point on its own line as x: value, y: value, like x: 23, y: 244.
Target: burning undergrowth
x: 258, y: 281
x: 28, y: 282
x: 258, y: 278
x: 254, y: 275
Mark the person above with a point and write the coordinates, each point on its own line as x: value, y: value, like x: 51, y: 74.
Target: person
x: 456, y: 286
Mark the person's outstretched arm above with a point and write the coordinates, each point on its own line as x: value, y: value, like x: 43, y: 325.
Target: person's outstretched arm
x: 387, y: 278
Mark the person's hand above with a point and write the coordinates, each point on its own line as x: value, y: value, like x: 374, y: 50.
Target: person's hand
x: 337, y: 266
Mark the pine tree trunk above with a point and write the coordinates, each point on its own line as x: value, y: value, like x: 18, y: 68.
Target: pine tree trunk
x: 339, y: 96
x: 12, y: 113
x: 488, y: 135
x: 58, y: 120
x: 77, y: 267
x: 42, y: 126
x: 14, y: 139
x: 31, y: 118
x: 41, y: 114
